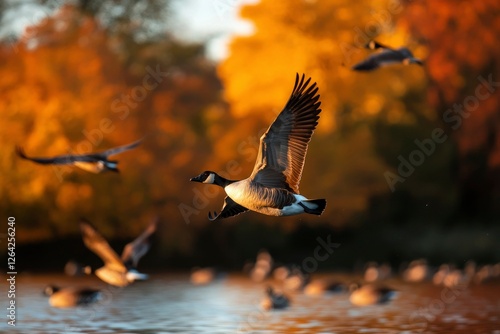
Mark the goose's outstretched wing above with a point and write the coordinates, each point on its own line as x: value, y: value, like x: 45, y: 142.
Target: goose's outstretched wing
x: 283, y: 147
x: 135, y: 250
x: 97, y: 244
x: 120, y: 149
x: 58, y: 159
x: 387, y: 57
x: 229, y: 209
x: 368, y: 64
x: 72, y: 158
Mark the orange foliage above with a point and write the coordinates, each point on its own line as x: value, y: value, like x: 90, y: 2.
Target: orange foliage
x: 322, y: 39
x: 70, y: 86
x: 463, y: 42
x: 65, y: 88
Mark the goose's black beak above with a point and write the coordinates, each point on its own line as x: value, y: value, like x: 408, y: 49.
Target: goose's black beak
x: 418, y: 61
x: 196, y: 179
x: 409, y: 61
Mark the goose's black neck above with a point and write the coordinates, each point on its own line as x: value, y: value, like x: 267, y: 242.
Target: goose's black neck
x: 222, y: 182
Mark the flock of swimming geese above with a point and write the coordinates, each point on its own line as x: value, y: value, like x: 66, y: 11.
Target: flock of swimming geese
x: 293, y: 280
x: 272, y: 188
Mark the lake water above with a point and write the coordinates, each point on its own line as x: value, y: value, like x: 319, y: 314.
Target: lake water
x: 170, y: 304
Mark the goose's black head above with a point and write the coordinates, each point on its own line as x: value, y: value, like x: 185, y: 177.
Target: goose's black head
x: 205, y: 177
x: 373, y: 45
x: 210, y: 177
x: 412, y: 60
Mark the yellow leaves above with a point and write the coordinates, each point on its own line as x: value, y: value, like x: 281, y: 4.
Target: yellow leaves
x: 55, y: 97
x: 323, y: 39
x: 261, y: 65
x: 457, y: 34
x: 344, y: 14
x: 37, y: 187
x: 181, y: 159
x: 462, y: 42
x: 71, y: 195
x: 398, y: 114
x: 373, y: 104
x: 170, y: 126
x: 85, y: 191
x: 162, y: 103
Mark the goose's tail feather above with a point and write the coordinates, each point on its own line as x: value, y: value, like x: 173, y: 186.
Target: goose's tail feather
x: 314, y: 206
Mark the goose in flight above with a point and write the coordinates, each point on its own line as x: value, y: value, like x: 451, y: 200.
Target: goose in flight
x: 92, y: 162
x: 273, y: 187
x: 387, y: 56
x: 118, y: 271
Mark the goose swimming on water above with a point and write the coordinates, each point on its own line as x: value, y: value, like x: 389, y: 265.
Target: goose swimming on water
x: 71, y: 296
x: 118, y: 271
x: 92, y: 162
x: 273, y: 187
x: 370, y: 294
x: 274, y: 300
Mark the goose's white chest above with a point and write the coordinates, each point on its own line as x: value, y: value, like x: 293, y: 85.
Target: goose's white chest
x: 239, y: 192
x: 93, y: 167
x: 262, y: 199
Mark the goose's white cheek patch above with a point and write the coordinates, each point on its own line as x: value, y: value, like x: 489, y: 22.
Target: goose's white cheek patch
x: 210, y: 179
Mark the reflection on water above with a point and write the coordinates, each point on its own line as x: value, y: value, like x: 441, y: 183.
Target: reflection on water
x: 170, y: 304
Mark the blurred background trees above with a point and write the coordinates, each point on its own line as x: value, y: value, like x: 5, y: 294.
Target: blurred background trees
x: 74, y: 82
x: 463, y: 41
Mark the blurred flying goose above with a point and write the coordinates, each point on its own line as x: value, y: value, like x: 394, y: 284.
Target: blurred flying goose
x: 273, y: 187
x: 274, y: 300
x: 387, y: 56
x: 71, y: 297
x: 370, y: 294
x: 92, y: 162
x: 116, y: 271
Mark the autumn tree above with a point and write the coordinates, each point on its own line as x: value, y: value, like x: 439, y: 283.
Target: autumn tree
x: 352, y: 149
x: 464, y: 71
x: 76, y: 84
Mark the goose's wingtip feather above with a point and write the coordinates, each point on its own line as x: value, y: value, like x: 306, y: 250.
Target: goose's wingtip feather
x: 20, y: 152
